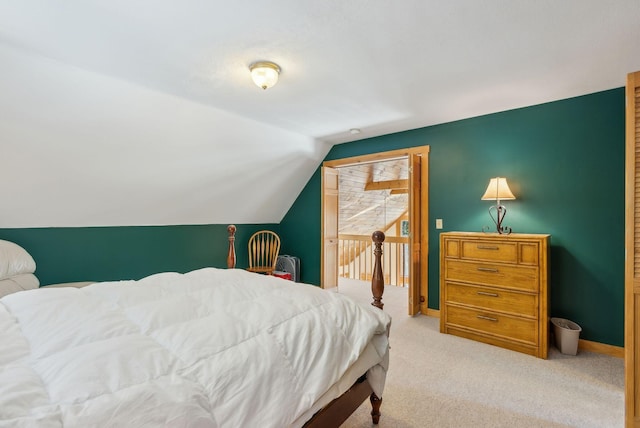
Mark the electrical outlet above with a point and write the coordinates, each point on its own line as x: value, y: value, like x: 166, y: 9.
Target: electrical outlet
x: 438, y: 223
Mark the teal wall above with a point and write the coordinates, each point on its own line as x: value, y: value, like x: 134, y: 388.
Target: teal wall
x: 115, y: 253
x: 564, y: 162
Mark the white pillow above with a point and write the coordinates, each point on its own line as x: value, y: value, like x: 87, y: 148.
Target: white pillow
x: 26, y: 281
x: 14, y: 260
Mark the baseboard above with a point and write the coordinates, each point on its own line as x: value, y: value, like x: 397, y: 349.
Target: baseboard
x: 601, y: 348
x: 432, y: 313
x: 585, y: 345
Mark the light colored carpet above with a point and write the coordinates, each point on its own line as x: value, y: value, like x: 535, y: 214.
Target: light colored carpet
x: 440, y: 380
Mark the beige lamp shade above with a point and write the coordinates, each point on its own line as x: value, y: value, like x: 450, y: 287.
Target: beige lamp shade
x: 498, y: 189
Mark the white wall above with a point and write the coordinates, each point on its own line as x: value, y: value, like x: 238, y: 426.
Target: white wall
x: 82, y: 149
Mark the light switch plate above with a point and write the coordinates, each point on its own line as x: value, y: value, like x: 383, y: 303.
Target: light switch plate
x: 438, y: 223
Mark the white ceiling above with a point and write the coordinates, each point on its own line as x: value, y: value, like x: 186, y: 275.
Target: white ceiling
x: 143, y: 112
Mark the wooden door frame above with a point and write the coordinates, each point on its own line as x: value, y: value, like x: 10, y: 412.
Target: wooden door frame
x: 631, y: 277
x: 423, y: 151
x: 329, y: 268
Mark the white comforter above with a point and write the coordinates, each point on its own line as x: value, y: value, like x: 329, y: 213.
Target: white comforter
x: 210, y: 348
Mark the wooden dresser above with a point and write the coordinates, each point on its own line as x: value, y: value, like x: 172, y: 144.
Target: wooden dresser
x: 493, y: 288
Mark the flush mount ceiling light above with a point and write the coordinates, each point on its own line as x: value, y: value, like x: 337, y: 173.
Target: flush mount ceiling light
x: 264, y: 73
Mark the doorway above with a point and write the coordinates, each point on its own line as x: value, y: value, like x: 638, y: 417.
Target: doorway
x: 415, y: 188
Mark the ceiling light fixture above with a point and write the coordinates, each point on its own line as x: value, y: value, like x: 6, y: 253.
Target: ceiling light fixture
x: 264, y: 73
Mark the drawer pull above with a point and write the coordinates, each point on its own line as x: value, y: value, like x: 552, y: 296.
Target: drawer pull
x: 488, y: 247
x: 484, y: 293
x: 483, y: 317
x: 481, y: 269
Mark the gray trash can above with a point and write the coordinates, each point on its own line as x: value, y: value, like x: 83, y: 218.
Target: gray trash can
x: 567, y: 335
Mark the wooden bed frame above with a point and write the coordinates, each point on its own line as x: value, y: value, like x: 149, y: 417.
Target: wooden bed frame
x: 339, y: 410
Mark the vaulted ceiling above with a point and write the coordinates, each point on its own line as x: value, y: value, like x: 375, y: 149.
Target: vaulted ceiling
x: 143, y: 112
x: 372, y: 196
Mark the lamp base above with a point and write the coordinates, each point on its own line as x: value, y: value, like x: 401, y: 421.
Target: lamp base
x: 501, y: 211
x: 503, y: 230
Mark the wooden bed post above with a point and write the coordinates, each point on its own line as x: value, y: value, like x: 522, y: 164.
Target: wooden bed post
x: 377, y: 279
x: 231, y: 255
x: 377, y: 289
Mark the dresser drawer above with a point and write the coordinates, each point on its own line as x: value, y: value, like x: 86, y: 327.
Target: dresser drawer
x: 522, y: 304
x: 505, y: 326
x: 511, y: 276
x: 489, y: 251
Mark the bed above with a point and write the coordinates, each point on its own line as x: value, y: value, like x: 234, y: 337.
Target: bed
x: 208, y: 348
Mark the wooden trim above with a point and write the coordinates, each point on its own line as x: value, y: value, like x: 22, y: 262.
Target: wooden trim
x: 398, y: 191
x: 601, y: 348
x: 376, y: 157
x: 631, y: 316
x: 386, y: 185
x: 417, y: 298
x: 424, y: 231
x: 388, y: 239
x: 433, y: 313
x: 329, y: 228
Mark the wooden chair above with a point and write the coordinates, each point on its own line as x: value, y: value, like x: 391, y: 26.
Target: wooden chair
x: 264, y: 247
